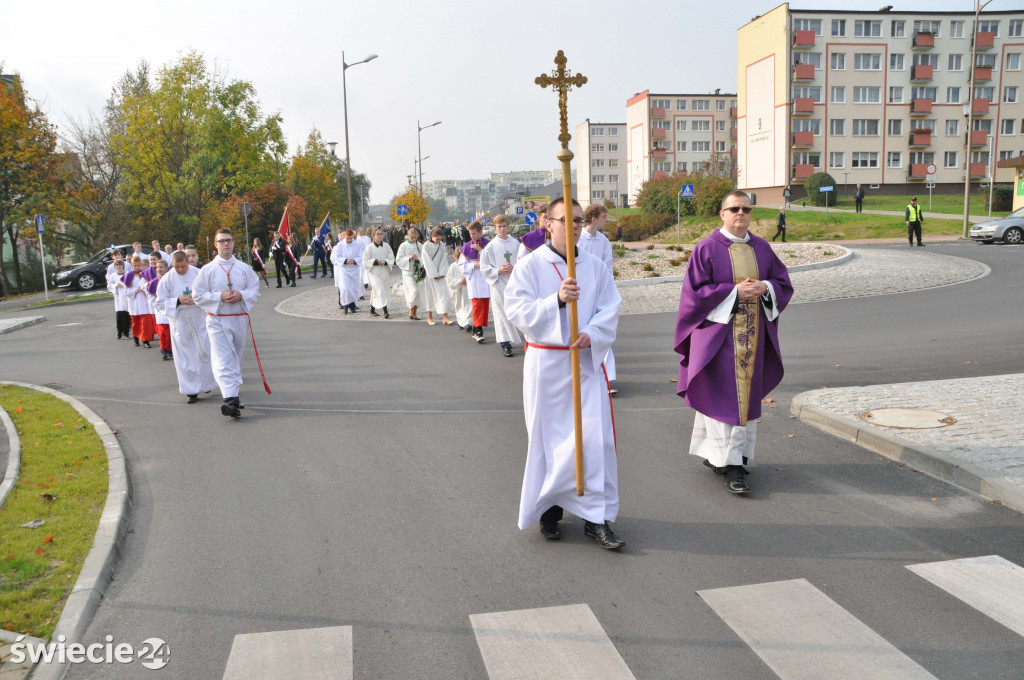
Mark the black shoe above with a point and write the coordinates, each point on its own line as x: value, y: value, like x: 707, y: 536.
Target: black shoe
x: 293, y: 284
x: 550, y: 531
x: 279, y: 285
x: 346, y: 310
x: 192, y: 398
x: 231, y: 408
x: 920, y: 245
x: 373, y: 312
x: 145, y: 343
x: 507, y: 351
x: 168, y: 357
x: 603, y: 534
x: 734, y: 479
x: 313, y: 276
x: 386, y: 315
x: 136, y: 341
x: 468, y: 329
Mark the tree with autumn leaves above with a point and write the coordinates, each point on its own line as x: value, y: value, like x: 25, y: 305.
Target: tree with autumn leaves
x: 419, y: 207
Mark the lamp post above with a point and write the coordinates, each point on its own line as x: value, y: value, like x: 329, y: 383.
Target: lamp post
x: 348, y: 160
x: 969, y: 114
x: 419, y: 148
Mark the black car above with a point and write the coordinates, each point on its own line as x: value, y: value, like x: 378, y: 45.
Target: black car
x: 92, y: 273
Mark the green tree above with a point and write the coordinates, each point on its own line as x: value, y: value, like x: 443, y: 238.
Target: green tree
x: 814, y: 184
x: 314, y: 175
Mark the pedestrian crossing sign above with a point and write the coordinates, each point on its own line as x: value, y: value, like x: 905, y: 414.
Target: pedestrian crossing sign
x: 686, y: 191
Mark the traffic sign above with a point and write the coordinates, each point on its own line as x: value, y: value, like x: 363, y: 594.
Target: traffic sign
x: 531, y: 217
x: 824, y: 189
x: 686, y: 191
x: 403, y: 209
x: 519, y: 210
x: 246, y: 209
x: 39, y: 223
x: 932, y: 168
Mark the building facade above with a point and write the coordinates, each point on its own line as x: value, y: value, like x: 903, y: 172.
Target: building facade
x: 601, y: 162
x: 878, y: 98
x: 678, y: 133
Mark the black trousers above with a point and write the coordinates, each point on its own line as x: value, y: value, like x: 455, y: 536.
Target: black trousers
x: 124, y: 324
x: 780, y: 230
x: 914, y: 229
x: 279, y: 265
x: 551, y: 515
x: 859, y: 204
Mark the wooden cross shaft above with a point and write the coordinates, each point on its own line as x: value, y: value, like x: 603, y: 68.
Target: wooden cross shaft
x: 561, y: 80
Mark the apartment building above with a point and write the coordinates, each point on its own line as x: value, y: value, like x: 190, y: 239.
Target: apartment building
x: 880, y: 98
x: 601, y: 162
x: 684, y: 133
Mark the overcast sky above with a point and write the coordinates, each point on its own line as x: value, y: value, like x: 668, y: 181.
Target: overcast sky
x: 470, y: 65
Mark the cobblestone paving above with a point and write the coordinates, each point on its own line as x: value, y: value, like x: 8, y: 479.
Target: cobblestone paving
x: 987, y: 432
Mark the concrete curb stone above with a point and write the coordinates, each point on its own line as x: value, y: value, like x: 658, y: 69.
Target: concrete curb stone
x: 13, y: 458
x: 18, y: 324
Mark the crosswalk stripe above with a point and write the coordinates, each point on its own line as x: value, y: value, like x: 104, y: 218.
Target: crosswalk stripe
x: 313, y: 654
x: 803, y: 635
x: 992, y: 585
x: 552, y: 643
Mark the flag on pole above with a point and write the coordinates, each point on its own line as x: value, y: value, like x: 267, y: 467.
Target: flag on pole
x: 285, y: 230
x: 325, y: 230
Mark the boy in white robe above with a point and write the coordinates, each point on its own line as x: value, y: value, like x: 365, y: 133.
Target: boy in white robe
x: 116, y: 286
x: 435, y: 263
x: 496, y: 265
x: 363, y: 240
x: 189, y: 340
x: 409, y: 258
x: 347, y: 259
x: 536, y: 301
x: 476, y: 285
x: 226, y: 289
x: 593, y: 241
x: 460, y: 297
x: 377, y: 260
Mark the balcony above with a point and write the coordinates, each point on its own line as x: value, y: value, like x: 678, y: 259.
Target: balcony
x: 982, y: 73
x: 919, y: 170
x: 984, y: 40
x: 803, y: 40
x: 658, y: 153
x: 920, y: 137
x: 979, y: 138
x: 924, y: 41
x: 803, y: 138
x: 921, y: 72
x: 803, y: 106
x: 732, y: 133
x: 803, y: 72
x: 732, y: 111
x: 657, y: 112
x: 660, y: 174
x: 978, y: 170
x: 658, y: 133
x: 979, y: 107
x: 920, y: 107
x: 732, y: 152
x: 802, y: 172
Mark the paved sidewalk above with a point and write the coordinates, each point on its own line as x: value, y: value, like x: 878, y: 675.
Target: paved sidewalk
x: 9, y: 325
x: 974, y: 439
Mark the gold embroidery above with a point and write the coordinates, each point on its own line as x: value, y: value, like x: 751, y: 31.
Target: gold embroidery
x: 745, y: 326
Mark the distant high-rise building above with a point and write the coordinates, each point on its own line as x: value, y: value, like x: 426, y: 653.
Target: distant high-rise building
x: 601, y: 162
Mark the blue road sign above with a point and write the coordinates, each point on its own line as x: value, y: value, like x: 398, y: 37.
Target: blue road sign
x: 519, y: 210
x: 531, y: 217
x: 824, y: 189
x: 686, y: 191
x: 403, y: 209
x: 39, y: 223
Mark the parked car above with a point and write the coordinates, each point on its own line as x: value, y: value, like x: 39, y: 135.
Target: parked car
x: 92, y: 273
x: 1009, y: 229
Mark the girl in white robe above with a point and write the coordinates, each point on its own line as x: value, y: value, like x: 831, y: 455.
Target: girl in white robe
x: 409, y: 259
x: 377, y: 261
x: 435, y: 262
x: 460, y: 297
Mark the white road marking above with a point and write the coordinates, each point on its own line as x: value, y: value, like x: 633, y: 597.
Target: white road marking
x: 312, y: 654
x: 992, y: 585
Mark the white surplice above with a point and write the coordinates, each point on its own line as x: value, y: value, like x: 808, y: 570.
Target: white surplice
x: 497, y: 253
x: 414, y: 295
x: 226, y: 323
x: 117, y: 288
x: 435, y: 261
x: 138, y: 298
x: 379, y: 276
x: 190, y: 342
x: 476, y: 285
x: 363, y: 241
x: 348, y: 277
x: 600, y: 247
x: 459, y: 296
x: 531, y: 302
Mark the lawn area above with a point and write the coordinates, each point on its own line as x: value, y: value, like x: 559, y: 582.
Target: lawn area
x: 946, y: 204
x: 63, y: 481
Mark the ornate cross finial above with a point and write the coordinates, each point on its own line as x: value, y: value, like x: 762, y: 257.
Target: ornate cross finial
x: 562, y: 81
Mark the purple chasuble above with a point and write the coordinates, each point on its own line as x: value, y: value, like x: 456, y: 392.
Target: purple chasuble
x: 471, y: 254
x: 707, y: 369
x: 534, y: 239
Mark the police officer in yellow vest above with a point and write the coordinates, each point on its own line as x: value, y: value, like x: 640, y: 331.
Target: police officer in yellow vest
x: 914, y: 218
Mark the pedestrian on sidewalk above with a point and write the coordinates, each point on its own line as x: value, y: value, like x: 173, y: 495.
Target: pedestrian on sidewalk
x: 787, y: 194
x: 914, y: 218
x: 858, y: 198
x: 780, y: 226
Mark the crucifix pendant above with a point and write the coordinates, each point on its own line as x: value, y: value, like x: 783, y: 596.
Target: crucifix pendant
x: 230, y: 287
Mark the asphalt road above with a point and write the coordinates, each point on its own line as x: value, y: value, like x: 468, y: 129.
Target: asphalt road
x: 378, y: 487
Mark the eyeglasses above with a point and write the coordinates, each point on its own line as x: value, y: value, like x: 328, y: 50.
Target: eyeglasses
x: 745, y: 209
x: 225, y: 240
x: 578, y: 221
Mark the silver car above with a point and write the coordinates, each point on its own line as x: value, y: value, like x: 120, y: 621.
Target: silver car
x: 1009, y: 229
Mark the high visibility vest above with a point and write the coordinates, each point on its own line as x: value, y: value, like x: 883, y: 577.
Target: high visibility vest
x: 915, y: 213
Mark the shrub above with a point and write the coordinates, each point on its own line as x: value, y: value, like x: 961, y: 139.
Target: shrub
x: 659, y: 196
x: 640, y: 227
x: 814, y: 183
x: 647, y: 267
x: 1002, y: 198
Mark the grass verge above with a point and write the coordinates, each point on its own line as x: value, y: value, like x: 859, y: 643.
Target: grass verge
x: 61, y: 300
x: 61, y: 456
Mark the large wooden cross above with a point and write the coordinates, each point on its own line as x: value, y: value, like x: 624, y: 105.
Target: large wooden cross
x: 561, y: 80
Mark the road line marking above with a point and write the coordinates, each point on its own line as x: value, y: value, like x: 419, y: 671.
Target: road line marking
x: 803, y: 635
x: 552, y: 643
x: 311, y: 654
x: 992, y: 585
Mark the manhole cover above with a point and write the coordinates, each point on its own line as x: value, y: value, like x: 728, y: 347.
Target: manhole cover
x: 57, y: 386
x: 910, y: 418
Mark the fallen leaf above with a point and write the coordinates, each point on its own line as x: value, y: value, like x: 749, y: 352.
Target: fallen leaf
x: 48, y: 496
x: 790, y: 435
x: 782, y: 469
x: 934, y: 499
x: 902, y: 464
x: 967, y: 362
x: 673, y: 379
x: 19, y: 409
x: 997, y: 501
x: 9, y: 627
x: 839, y: 365
x: 49, y: 539
x: 40, y: 551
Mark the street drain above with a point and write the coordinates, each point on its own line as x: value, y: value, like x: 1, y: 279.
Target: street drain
x: 57, y: 386
x: 907, y: 418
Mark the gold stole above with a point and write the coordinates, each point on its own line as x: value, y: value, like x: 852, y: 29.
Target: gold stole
x: 745, y: 325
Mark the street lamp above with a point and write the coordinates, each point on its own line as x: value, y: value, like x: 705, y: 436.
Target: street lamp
x: 348, y: 160
x: 969, y: 114
x: 419, y: 148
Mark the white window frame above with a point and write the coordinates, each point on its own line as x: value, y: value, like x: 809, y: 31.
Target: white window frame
x: 865, y: 159
x: 866, y: 28
x: 952, y: 127
x: 834, y: 156
x: 895, y: 94
x: 837, y: 61
x: 1011, y: 94
x: 874, y: 60
x: 890, y: 156
x: 865, y: 93
x: 681, y: 125
x: 952, y: 95
x: 865, y: 124
x: 956, y: 29
x: 1012, y: 61
x: 894, y: 127
x: 955, y: 159
x: 897, y: 61
x: 680, y: 146
x: 837, y: 127
x: 841, y: 92
x: 839, y: 24
x: 898, y: 28
x: 1008, y: 127
x: 702, y: 147
x: 955, y: 63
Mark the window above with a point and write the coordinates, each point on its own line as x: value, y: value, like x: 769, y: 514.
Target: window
x: 982, y: 124
x: 702, y: 146
x: 867, y: 29
x: 701, y: 105
x: 898, y: 29
x: 597, y: 194
x: 949, y: 159
x: 927, y: 60
x: 867, y: 62
x: 681, y: 166
x: 681, y: 147
x: 1013, y: 61
x: 838, y: 61
x: 839, y: 28
x: 680, y: 105
x: 838, y: 95
x: 989, y: 26
x: 837, y: 127
x: 924, y: 93
x: 812, y: 58
x: 985, y: 60
x: 867, y: 95
x: 701, y: 126
x: 807, y: 25
x: 720, y: 125
x: 613, y: 131
x: 924, y: 125
x: 956, y: 29
x: 597, y: 147
x: 952, y: 127
x: 895, y: 95
x: 661, y: 145
x: 979, y: 157
x: 613, y: 162
x: 720, y: 147
x: 613, y: 194
x: 927, y: 27
x: 865, y: 127
x: 1003, y: 155
x: 1010, y: 95
x: 894, y: 159
x: 865, y: 159
x: 613, y: 147
x: 661, y: 165
x: 807, y: 158
x: 922, y: 157
x: 896, y: 62
x: 895, y: 127
x: 661, y: 125
x: 661, y: 103
x: 956, y: 62
x: 597, y: 163
x: 680, y: 126
x: 597, y: 179
x: 720, y: 105
x: 988, y: 93
x: 1008, y: 125
x: 613, y: 179
x: 836, y: 159
x: 813, y: 93
x: 597, y: 132
x: 808, y: 125
x: 952, y: 95
x: 1016, y: 28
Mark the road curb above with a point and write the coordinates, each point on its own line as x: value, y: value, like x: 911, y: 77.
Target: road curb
x: 24, y: 323
x: 936, y: 463
x: 13, y: 459
x: 108, y: 543
x: 62, y: 303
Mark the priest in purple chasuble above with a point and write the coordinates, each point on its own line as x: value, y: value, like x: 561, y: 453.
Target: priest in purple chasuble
x: 734, y: 289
